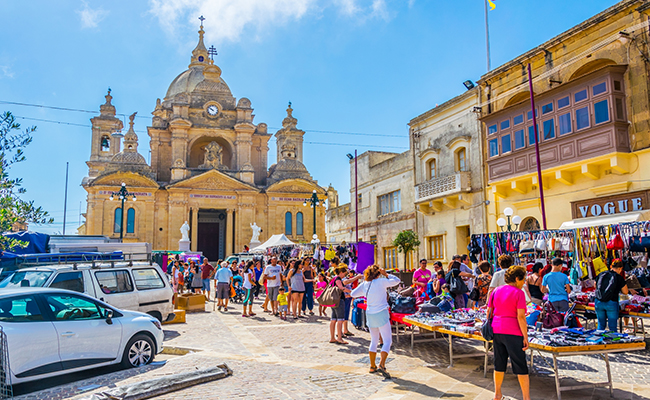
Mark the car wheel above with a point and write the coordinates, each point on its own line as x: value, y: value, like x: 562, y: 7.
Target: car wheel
x: 138, y: 352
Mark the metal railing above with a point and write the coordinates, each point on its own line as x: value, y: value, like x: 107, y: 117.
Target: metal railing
x: 443, y: 186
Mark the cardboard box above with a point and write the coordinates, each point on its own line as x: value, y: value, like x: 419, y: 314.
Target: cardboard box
x: 190, y: 302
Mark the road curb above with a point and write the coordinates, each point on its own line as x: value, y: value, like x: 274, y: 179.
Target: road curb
x: 160, y: 386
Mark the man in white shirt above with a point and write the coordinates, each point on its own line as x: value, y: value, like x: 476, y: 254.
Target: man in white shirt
x: 273, y: 273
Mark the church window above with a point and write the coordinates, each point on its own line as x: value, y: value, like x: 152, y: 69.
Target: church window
x: 106, y: 143
x: 299, y: 223
x: 130, y: 220
x: 117, y: 220
x: 288, y: 228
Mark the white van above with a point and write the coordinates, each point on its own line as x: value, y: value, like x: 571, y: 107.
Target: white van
x: 136, y: 286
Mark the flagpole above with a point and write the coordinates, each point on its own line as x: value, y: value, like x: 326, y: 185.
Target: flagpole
x: 540, y: 182
x: 487, y: 36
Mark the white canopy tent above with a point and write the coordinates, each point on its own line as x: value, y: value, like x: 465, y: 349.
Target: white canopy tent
x: 275, y: 240
x: 603, y: 220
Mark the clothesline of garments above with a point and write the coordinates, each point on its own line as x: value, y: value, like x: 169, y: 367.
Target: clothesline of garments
x: 589, y: 250
x: 357, y: 256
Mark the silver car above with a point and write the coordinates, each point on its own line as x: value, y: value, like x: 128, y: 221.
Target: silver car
x: 52, y: 332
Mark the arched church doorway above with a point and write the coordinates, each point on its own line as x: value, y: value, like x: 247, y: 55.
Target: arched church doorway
x: 211, y: 235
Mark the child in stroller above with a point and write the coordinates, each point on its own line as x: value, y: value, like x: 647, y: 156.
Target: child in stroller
x: 237, y: 283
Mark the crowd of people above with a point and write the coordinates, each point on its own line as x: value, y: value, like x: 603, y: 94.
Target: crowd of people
x: 291, y: 289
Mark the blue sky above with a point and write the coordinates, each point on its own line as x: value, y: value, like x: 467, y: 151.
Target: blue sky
x: 355, y: 66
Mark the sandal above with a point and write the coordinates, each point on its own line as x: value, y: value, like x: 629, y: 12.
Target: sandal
x: 383, y: 372
x: 244, y: 315
x: 225, y: 309
x: 252, y: 314
x: 373, y: 370
x: 342, y: 342
x: 334, y: 341
x: 348, y: 334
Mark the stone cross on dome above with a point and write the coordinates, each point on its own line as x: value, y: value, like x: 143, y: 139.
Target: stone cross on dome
x: 202, y: 19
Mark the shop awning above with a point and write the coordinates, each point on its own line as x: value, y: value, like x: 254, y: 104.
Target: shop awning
x: 603, y: 220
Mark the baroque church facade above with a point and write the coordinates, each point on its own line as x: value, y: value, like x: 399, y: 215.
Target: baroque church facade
x: 208, y: 167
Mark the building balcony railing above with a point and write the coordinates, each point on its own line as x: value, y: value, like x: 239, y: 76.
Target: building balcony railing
x: 443, y: 186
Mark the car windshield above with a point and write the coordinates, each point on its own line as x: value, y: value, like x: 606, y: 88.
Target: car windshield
x: 26, y: 279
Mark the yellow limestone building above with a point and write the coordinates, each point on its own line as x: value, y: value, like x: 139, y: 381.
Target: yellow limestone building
x: 208, y: 167
x: 591, y: 87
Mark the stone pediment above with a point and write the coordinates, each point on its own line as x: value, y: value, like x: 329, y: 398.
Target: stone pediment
x: 131, y: 179
x: 212, y: 180
x: 295, y: 186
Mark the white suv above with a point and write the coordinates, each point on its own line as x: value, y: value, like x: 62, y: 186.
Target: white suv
x: 52, y: 332
x: 137, y: 286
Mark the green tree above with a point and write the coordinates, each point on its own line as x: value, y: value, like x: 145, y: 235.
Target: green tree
x: 14, y: 210
x: 406, y: 241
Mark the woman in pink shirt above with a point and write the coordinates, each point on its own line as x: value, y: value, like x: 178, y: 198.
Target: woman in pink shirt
x: 507, y: 305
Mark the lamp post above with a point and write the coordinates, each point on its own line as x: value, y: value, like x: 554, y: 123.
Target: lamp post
x: 314, y: 202
x: 356, y: 194
x: 507, y: 225
x: 122, y: 194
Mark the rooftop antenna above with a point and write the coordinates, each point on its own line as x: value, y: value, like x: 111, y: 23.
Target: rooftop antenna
x: 212, y: 51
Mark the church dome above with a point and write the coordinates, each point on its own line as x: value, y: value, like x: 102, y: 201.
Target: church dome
x: 194, y: 80
x: 128, y: 158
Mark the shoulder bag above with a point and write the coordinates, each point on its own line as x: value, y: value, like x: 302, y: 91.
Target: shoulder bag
x: 331, y: 296
x: 475, y: 294
x: 486, y: 330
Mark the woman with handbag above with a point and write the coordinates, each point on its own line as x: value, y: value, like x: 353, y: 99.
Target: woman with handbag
x: 376, y: 282
x: 338, y: 311
x: 507, y: 309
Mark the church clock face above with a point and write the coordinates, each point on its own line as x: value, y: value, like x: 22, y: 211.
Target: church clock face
x: 213, y: 110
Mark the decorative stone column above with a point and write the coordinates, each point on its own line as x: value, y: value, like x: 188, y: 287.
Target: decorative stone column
x: 229, y: 229
x: 194, y: 228
x: 179, y: 128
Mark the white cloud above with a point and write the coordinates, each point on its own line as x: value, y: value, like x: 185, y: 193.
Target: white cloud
x: 6, y: 71
x: 380, y: 10
x: 228, y: 19
x: 91, y: 18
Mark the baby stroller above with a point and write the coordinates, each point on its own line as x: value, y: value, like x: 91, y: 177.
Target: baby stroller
x: 238, y: 290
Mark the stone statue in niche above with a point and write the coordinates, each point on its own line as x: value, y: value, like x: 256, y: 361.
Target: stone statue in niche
x: 212, y: 156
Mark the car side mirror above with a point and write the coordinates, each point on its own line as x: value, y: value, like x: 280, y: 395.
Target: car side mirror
x: 109, y: 317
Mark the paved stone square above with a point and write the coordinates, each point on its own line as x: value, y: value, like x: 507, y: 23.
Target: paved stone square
x: 275, y: 359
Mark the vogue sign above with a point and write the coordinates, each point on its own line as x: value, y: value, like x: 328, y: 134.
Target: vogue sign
x: 628, y: 202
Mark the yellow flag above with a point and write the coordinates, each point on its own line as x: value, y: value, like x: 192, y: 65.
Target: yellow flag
x: 492, y: 5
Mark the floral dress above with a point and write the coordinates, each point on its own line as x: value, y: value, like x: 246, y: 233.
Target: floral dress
x: 483, y: 284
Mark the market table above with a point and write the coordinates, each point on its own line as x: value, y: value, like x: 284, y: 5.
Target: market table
x: 602, y: 350
x: 487, y: 346
x: 632, y: 314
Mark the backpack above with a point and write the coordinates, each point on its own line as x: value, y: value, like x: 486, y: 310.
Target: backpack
x: 606, y: 286
x: 456, y: 284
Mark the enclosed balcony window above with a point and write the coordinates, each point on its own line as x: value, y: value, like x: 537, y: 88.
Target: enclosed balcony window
x: 580, y: 96
x: 582, y: 118
x: 531, y: 135
x: 563, y: 102
x: 549, y: 129
x: 505, y: 124
x: 547, y: 108
x: 601, y: 112
x: 492, y: 129
x: 506, y: 144
x: 520, y: 140
x: 494, y: 147
x: 600, y: 88
x: 565, y: 123
x: 518, y: 119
